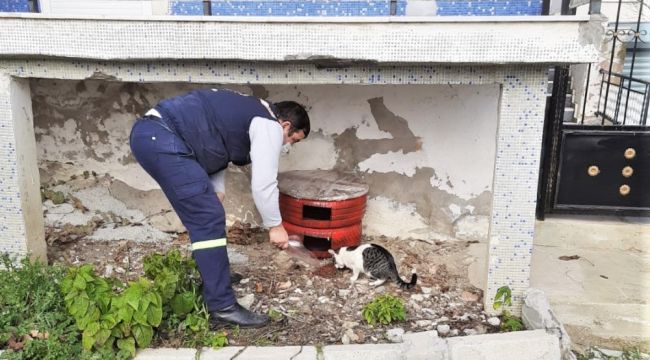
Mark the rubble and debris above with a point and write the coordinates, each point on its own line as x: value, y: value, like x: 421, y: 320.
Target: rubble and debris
x: 317, y: 306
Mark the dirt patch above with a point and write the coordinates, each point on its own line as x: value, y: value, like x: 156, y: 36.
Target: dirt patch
x: 316, y: 306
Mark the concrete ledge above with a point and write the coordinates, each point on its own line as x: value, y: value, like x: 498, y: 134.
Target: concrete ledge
x: 521, y: 345
x: 605, y: 232
x: 424, y: 346
x: 225, y: 353
x: 362, y: 352
x: 166, y: 353
x: 277, y: 352
x: 324, y: 42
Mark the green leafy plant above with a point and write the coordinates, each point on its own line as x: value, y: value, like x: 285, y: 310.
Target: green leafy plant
x: 503, y: 297
x: 51, y: 312
x: 108, y: 318
x: 509, y: 322
x: 384, y: 309
x: 177, y: 279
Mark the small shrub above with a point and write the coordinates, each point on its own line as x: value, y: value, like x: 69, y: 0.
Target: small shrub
x: 509, y: 322
x: 384, y: 310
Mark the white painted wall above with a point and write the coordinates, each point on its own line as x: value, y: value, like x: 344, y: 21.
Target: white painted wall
x: 456, y: 127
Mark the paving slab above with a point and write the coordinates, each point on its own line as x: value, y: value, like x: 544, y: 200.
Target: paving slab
x: 520, y: 345
x: 269, y: 353
x: 307, y: 353
x: 424, y: 345
x: 364, y: 352
x: 166, y: 354
x: 600, y: 298
x: 225, y: 353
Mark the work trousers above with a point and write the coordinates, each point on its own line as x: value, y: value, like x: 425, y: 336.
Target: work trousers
x: 166, y: 157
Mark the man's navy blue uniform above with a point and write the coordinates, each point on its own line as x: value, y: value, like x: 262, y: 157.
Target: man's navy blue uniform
x: 186, y: 139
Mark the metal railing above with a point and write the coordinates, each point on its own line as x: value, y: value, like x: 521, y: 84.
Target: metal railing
x: 623, y: 100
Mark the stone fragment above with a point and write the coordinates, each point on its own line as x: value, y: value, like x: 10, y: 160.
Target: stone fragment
x: 443, y: 329
x: 395, y: 335
x: 246, y: 301
x: 494, y: 321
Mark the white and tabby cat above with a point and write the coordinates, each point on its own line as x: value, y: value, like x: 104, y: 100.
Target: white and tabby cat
x: 374, y: 261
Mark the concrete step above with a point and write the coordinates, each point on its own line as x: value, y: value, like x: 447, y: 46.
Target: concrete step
x: 616, y: 326
x: 601, y: 296
x: 594, y: 232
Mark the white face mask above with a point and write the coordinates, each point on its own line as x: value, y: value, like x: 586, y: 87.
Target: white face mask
x: 285, y: 149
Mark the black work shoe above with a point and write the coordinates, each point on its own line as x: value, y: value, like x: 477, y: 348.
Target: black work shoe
x: 235, y: 278
x: 237, y: 315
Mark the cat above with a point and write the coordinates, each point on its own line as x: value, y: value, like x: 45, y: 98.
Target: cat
x: 374, y: 261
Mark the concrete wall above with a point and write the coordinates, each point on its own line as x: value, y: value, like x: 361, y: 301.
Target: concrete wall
x: 427, y: 151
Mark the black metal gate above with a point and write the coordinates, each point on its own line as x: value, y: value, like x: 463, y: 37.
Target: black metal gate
x: 598, y: 161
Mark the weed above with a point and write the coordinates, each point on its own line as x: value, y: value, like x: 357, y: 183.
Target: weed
x: 275, y: 315
x: 34, y: 323
x: 509, y: 322
x: 384, y: 309
x: 627, y: 354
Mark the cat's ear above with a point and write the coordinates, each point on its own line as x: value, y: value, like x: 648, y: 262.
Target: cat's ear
x: 331, y: 252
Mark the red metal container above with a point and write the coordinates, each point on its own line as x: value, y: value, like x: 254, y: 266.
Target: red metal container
x: 323, y: 207
x: 318, y: 241
x: 320, y: 214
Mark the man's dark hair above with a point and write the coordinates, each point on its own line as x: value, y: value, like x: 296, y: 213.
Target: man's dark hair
x: 294, y: 113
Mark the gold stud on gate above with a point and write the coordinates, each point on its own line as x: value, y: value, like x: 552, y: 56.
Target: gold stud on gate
x: 627, y: 171
x: 593, y: 170
x: 630, y: 153
x: 624, y: 190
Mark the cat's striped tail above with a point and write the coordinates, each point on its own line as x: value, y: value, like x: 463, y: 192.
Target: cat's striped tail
x: 408, y: 285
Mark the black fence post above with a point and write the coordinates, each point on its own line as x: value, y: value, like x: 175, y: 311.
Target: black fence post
x: 551, y: 142
x: 207, y: 8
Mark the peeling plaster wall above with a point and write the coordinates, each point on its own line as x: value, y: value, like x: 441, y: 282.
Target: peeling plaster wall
x: 427, y: 151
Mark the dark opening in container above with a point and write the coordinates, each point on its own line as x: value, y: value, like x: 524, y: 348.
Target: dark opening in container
x: 316, y: 213
x: 316, y: 244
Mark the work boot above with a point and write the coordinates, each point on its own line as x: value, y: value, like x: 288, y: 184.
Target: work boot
x: 236, y: 314
x: 235, y: 278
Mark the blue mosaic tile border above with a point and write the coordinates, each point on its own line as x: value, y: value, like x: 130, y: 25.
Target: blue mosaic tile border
x: 352, y: 7
x: 184, y: 7
x: 14, y: 6
x: 301, y: 8
x: 489, y: 7
x: 287, y: 8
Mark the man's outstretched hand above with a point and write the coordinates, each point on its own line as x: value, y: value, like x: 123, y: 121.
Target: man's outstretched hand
x: 279, y: 237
